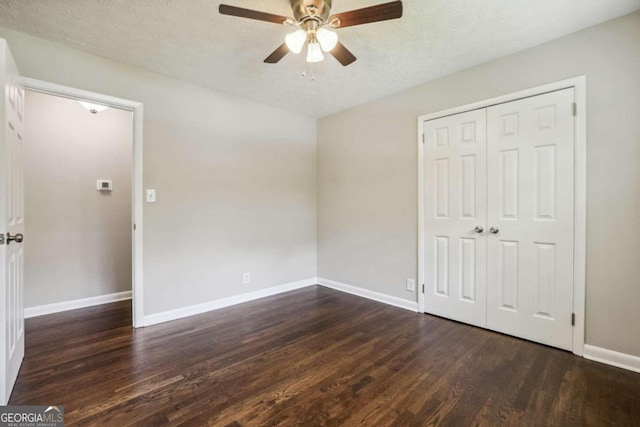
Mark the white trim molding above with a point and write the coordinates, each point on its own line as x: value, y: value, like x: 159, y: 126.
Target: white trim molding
x: 613, y: 358
x: 579, y: 84
x: 58, y: 307
x: 137, y: 203
x: 366, y: 293
x: 193, y: 310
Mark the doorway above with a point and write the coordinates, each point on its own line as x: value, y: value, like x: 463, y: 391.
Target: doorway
x: 103, y: 189
x: 77, y: 165
x: 12, y: 214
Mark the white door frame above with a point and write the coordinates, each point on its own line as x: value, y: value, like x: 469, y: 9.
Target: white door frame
x: 137, y: 109
x: 579, y: 84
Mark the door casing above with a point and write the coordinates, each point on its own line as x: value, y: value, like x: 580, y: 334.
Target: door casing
x: 137, y: 204
x: 579, y: 84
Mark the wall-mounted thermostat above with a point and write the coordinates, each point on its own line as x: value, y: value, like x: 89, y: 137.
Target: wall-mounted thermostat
x: 105, y: 185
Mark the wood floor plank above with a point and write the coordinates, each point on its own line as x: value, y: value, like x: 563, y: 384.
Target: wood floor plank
x: 313, y: 356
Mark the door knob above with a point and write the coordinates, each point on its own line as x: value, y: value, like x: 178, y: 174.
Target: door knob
x: 18, y: 238
x: 494, y: 230
x: 479, y: 229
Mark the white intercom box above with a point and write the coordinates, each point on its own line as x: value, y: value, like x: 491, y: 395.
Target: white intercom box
x: 105, y: 185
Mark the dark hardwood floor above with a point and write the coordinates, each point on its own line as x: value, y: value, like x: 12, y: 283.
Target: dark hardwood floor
x: 310, y: 357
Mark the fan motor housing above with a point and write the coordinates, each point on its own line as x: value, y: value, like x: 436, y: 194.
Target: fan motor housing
x: 300, y: 12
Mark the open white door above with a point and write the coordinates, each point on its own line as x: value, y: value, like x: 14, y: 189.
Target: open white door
x: 11, y: 222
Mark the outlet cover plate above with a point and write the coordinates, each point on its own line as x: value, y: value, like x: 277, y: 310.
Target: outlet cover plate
x: 411, y: 285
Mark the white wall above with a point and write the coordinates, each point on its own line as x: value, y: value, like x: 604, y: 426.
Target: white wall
x: 236, y: 180
x: 367, y: 176
x: 78, y: 239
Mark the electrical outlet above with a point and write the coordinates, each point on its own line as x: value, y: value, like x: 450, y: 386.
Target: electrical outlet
x: 246, y: 278
x: 151, y: 195
x: 411, y: 285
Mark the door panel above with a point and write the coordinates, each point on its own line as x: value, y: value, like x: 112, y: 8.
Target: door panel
x: 455, y: 203
x: 530, y: 154
x: 11, y: 222
x: 508, y: 184
x: 509, y: 279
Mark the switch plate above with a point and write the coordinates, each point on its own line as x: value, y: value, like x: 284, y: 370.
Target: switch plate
x: 411, y: 285
x: 151, y: 195
x: 246, y: 278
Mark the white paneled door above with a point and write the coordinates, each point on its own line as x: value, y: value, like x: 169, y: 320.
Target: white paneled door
x: 455, y: 217
x: 11, y: 222
x: 530, y: 154
x: 499, y: 217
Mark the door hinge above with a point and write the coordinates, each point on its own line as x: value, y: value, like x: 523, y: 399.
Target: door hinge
x: 134, y: 227
x: 575, y: 109
x: 423, y: 288
x: 573, y: 319
x: 423, y: 138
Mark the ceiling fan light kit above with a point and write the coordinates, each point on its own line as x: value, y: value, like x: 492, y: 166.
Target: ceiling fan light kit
x: 314, y: 52
x: 328, y: 39
x: 296, y: 40
x: 315, y: 22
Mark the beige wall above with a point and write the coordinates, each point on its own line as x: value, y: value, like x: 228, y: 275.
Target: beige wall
x: 367, y: 176
x: 78, y: 239
x: 236, y: 180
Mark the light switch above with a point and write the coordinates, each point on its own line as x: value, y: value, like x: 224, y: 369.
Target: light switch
x: 151, y: 195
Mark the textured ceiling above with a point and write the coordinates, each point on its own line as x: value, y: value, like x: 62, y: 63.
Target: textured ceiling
x: 189, y: 40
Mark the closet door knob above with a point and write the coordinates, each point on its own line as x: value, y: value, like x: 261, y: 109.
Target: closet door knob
x: 494, y: 230
x: 18, y: 238
x: 479, y: 229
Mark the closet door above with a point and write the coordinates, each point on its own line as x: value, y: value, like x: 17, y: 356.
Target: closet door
x: 530, y: 154
x: 455, y: 217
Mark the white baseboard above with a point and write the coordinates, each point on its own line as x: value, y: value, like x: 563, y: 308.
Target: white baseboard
x: 613, y: 358
x: 366, y: 293
x: 192, y: 310
x: 58, y: 307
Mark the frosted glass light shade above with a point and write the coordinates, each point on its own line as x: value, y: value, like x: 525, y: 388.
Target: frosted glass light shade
x: 314, y: 52
x: 94, y: 108
x: 295, y: 41
x: 327, y: 39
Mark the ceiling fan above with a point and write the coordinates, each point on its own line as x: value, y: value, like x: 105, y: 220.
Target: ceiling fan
x: 315, y: 23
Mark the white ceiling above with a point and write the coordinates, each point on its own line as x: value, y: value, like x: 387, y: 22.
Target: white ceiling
x: 189, y: 40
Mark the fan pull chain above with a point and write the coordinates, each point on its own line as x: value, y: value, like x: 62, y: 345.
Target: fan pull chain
x: 308, y: 71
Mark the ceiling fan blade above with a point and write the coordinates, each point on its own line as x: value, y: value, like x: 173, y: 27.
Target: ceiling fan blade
x: 381, y: 12
x: 343, y: 55
x: 277, y: 54
x: 251, y: 14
